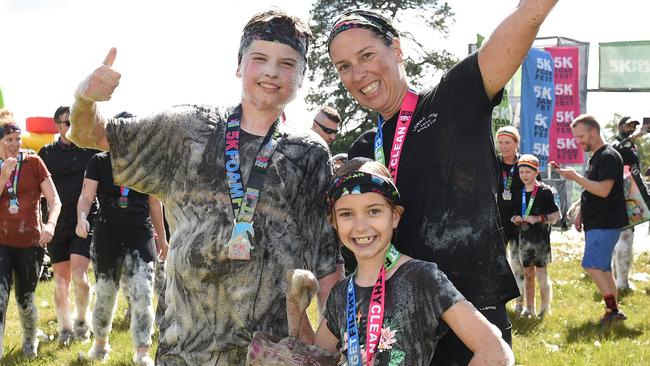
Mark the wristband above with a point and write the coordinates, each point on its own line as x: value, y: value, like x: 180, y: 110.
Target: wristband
x: 542, y: 218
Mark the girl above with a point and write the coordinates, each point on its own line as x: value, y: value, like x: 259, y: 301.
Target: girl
x: 389, y: 310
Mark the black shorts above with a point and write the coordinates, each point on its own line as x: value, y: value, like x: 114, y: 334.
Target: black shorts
x: 62, y: 246
x: 111, y: 243
x: 533, y: 253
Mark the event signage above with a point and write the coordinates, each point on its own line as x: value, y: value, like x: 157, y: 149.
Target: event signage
x: 537, y: 104
x: 502, y: 114
x: 562, y: 144
x: 625, y: 66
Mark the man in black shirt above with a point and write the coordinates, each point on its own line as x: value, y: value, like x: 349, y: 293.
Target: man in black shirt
x: 603, y: 212
x: 624, y: 144
x: 69, y: 253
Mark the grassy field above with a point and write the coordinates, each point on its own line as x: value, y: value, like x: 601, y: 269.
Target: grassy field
x: 569, y: 336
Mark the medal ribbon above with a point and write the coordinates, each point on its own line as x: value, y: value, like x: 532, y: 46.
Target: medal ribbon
x: 399, y: 140
x: 124, y: 191
x: 243, y: 204
x: 525, y: 211
x: 507, y: 178
x: 12, y: 182
x: 375, y: 317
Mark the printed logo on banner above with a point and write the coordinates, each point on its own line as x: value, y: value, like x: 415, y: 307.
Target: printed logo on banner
x: 537, y: 104
x: 563, y: 147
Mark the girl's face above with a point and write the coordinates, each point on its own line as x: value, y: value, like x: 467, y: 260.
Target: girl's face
x: 10, y: 144
x: 365, y: 224
x: 527, y: 175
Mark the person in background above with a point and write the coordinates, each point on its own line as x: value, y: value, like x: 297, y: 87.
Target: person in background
x: 69, y: 253
x: 23, y: 179
x: 326, y: 124
x: 602, y: 209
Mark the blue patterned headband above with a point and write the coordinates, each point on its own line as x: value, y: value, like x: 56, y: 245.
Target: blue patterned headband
x: 8, y: 129
x: 358, y: 183
x: 365, y: 19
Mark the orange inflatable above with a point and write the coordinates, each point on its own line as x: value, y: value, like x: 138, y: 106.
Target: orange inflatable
x: 41, y: 125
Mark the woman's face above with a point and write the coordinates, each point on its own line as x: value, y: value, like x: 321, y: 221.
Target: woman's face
x: 371, y: 71
x: 11, y: 144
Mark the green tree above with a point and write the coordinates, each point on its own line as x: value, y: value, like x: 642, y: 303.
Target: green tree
x: 409, y: 16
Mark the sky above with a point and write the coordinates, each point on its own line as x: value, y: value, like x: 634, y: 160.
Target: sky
x: 177, y: 52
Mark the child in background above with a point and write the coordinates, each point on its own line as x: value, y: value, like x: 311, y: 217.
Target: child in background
x: 534, y: 213
x: 389, y: 311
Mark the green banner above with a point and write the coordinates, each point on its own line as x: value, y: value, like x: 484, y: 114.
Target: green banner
x: 502, y: 114
x: 625, y: 66
x: 2, y: 101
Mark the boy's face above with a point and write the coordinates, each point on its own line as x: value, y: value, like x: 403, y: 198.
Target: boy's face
x: 271, y: 74
x: 365, y: 224
x: 527, y: 174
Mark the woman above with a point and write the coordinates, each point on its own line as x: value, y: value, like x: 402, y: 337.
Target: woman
x: 443, y: 151
x: 123, y: 241
x: 23, y: 179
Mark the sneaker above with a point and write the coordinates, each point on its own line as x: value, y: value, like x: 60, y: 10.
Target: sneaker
x: 65, y: 337
x: 519, y: 309
x: 143, y: 360
x: 30, y: 350
x: 81, y: 330
x: 543, y: 313
x: 611, y: 317
x: 99, y: 354
x: 528, y: 313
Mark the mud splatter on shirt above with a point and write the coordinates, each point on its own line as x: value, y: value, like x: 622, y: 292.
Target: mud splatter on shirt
x: 214, y: 304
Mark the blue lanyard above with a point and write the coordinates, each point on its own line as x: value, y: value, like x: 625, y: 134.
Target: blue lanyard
x: 525, y: 210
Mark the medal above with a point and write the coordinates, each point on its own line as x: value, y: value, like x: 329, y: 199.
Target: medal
x: 239, y: 245
x: 13, y: 206
x: 123, y: 202
x: 507, y: 196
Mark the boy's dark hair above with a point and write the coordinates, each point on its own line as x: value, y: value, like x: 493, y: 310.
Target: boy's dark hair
x: 59, y: 112
x: 588, y: 120
x: 277, y: 26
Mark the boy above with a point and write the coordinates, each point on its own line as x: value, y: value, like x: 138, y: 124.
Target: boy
x: 534, y: 213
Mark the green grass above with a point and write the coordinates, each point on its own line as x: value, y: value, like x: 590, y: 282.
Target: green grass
x: 569, y: 336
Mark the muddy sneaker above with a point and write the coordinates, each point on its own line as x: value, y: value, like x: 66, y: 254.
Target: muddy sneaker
x: 30, y: 350
x: 519, y: 309
x: 65, y: 337
x: 143, y: 360
x: 95, y: 353
x: 612, y: 317
x: 81, y: 330
x: 543, y: 313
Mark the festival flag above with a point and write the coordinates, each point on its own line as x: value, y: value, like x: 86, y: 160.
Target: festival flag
x: 563, y: 147
x: 537, y: 102
x: 2, y: 101
x: 502, y: 114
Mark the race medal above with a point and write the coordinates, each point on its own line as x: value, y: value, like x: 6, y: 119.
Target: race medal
x: 239, y: 245
x: 524, y: 226
x: 123, y: 202
x: 507, y: 196
x: 13, y: 206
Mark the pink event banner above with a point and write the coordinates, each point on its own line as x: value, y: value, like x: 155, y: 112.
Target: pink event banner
x: 563, y: 147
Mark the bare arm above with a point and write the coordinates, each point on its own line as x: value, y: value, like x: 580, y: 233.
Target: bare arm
x: 324, y: 338
x: 86, y: 198
x: 599, y: 188
x: 479, y: 335
x: 505, y: 49
x: 156, y: 213
x: 87, y: 126
x: 53, y: 208
x: 326, y: 284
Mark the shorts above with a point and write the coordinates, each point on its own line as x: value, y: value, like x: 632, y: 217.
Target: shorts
x: 111, y: 243
x: 534, y: 253
x: 62, y: 246
x: 599, y: 247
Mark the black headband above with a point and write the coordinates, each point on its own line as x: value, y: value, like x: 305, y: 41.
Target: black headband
x: 358, y: 183
x: 275, y: 32
x: 363, y: 19
x: 8, y: 129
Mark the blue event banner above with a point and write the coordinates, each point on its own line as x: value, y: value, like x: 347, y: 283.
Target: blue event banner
x: 537, y: 104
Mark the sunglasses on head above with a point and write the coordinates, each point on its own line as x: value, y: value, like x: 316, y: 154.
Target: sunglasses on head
x: 327, y: 130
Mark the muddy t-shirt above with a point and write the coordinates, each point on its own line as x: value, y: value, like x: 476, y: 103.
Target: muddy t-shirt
x: 447, y: 179
x: 417, y: 295
x: 213, y: 303
x: 544, y: 204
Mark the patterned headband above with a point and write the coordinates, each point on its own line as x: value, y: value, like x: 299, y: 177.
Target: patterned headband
x: 362, y: 19
x: 511, y: 134
x: 8, y: 129
x: 358, y: 183
x: 529, y: 161
x: 273, y: 33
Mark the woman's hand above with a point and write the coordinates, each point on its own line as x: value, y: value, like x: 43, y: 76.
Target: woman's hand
x: 7, y: 167
x: 82, y: 229
x: 47, y: 233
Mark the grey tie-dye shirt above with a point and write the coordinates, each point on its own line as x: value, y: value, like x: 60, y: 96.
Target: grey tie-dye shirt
x: 417, y: 295
x: 214, y: 304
